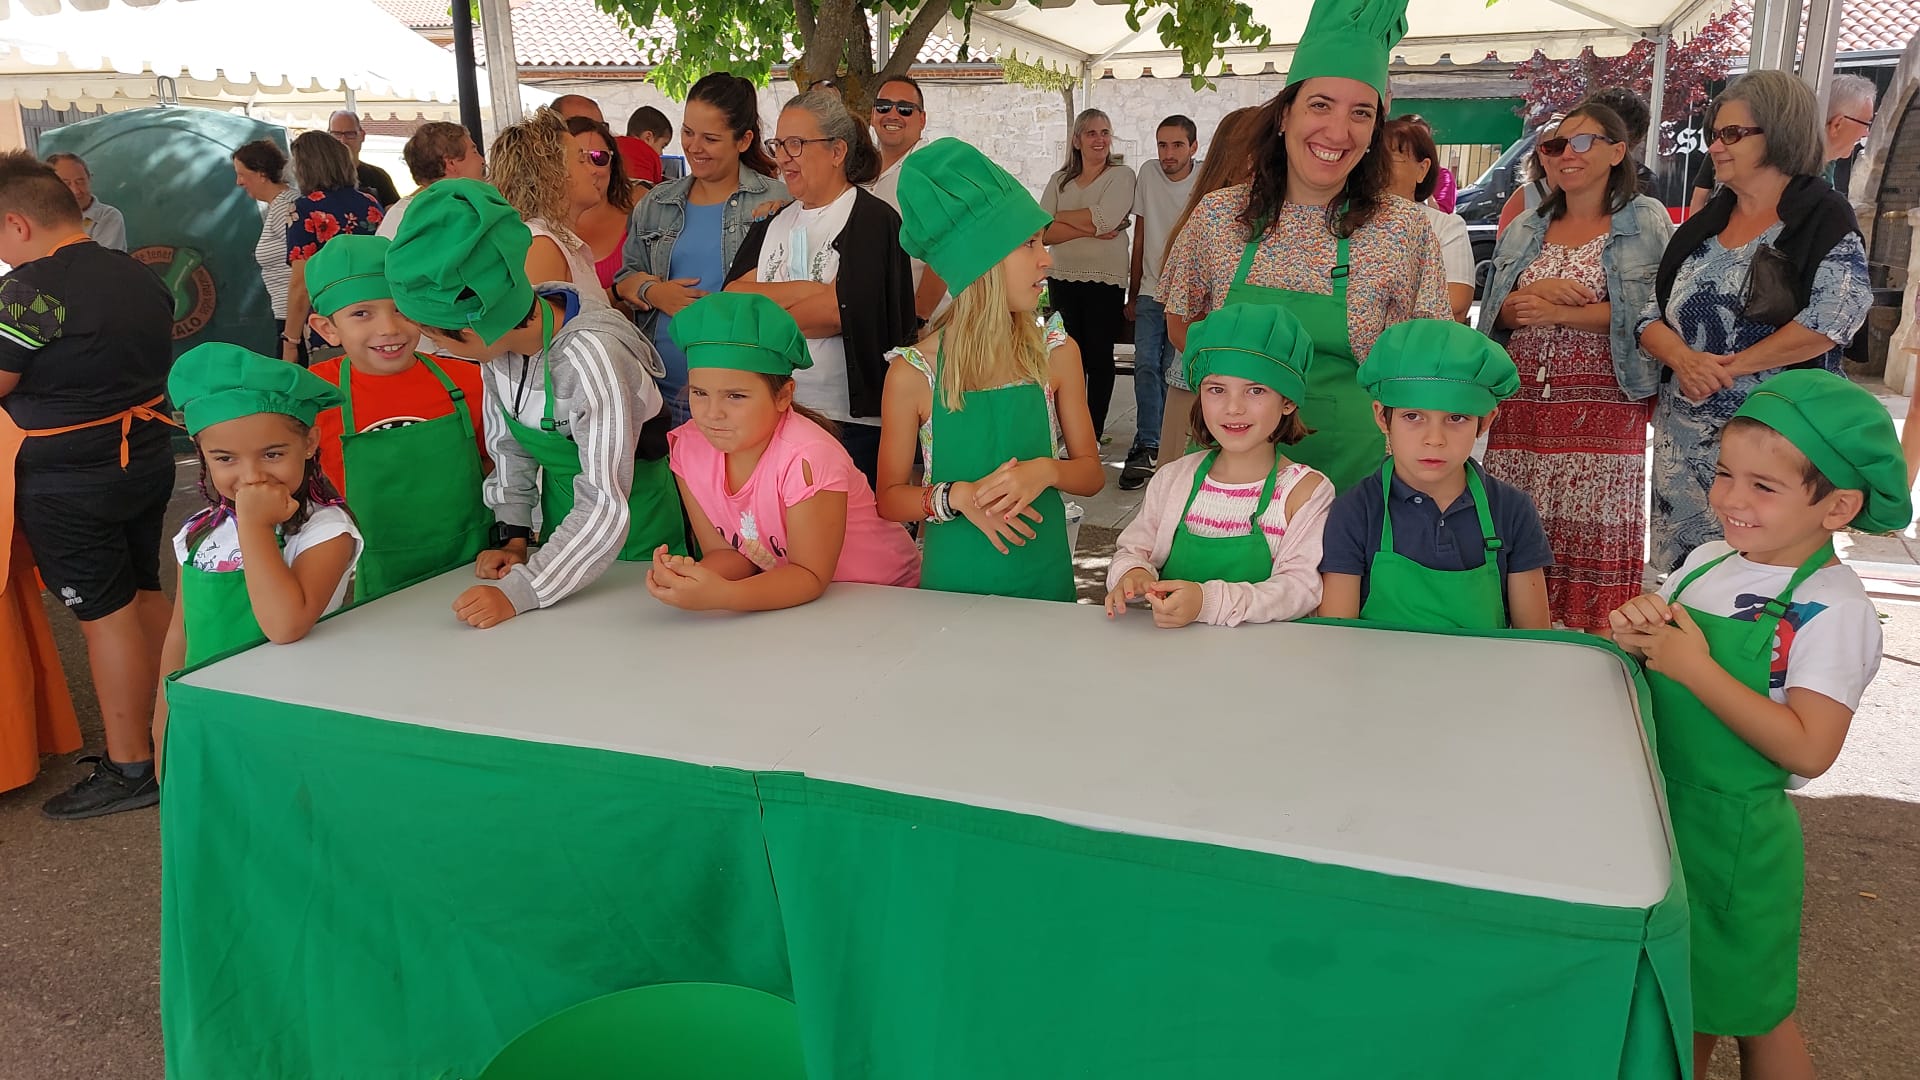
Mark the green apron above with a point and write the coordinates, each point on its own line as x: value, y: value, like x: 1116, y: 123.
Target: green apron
x: 653, y: 502
x: 216, y: 611
x: 1346, y: 444
x: 1221, y: 558
x: 1010, y: 422
x: 415, y: 492
x: 1736, y: 830
x: 1401, y: 592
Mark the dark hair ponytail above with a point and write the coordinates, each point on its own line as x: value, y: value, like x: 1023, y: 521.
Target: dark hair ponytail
x: 739, y: 102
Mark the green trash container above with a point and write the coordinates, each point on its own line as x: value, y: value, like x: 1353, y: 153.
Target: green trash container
x: 169, y: 169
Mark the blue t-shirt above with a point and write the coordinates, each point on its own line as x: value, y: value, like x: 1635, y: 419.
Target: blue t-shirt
x: 696, y: 254
x: 1437, y: 540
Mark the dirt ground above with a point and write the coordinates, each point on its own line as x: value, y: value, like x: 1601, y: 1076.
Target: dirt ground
x: 80, y: 901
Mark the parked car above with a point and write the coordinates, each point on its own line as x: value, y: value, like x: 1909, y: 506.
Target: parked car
x: 1479, y: 205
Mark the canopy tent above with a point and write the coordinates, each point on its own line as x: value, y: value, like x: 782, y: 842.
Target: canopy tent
x: 290, y: 61
x: 1091, y: 37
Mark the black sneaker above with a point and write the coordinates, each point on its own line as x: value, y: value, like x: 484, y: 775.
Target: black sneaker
x: 105, y: 791
x: 1139, y: 467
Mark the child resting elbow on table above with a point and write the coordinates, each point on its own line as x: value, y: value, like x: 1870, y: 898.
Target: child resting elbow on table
x: 1232, y: 534
x: 988, y: 396
x: 273, y: 552
x: 778, y: 507
x: 1759, y: 650
x: 575, y: 422
x: 1433, y: 541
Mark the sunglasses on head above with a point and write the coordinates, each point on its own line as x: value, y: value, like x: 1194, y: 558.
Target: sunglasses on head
x: 1733, y: 133
x: 599, y: 158
x: 1580, y: 143
x: 883, y: 106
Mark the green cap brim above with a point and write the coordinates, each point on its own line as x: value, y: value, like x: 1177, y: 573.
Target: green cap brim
x: 744, y: 356
x: 204, y: 412
x: 1268, y: 371
x: 350, y: 290
x: 1432, y: 392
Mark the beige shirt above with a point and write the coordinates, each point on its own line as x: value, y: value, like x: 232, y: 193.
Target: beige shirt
x: 1110, y: 197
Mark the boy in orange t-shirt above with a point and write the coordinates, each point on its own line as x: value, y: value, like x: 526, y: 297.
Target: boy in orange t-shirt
x: 407, y: 449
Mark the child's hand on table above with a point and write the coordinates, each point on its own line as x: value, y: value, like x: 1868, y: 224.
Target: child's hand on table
x: 1133, y: 585
x: 1174, y: 603
x: 483, y: 607
x: 264, y: 502
x: 1678, y: 651
x: 680, y: 581
x: 493, y: 563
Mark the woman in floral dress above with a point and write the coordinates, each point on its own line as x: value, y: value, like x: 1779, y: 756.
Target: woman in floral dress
x: 1569, y: 280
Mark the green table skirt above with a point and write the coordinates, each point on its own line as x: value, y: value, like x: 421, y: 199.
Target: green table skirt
x: 357, y: 899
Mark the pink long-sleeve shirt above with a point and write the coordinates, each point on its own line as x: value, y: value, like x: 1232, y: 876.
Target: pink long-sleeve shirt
x: 1289, y: 592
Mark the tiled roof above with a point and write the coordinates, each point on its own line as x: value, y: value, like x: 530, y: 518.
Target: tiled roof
x: 577, y: 34
x: 1865, y: 25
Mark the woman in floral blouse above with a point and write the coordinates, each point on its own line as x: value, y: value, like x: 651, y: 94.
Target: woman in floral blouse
x: 329, y: 205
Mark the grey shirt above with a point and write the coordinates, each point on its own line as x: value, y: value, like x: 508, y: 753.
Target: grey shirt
x: 106, y: 225
x: 604, y: 390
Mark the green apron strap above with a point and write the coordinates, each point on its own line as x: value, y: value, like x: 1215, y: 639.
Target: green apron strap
x: 546, y: 363
x: 1386, y: 506
x: 346, y: 393
x: 1768, y: 621
x: 1246, y: 256
x: 454, y: 393
x: 1487, y: 536
x: 1200, y: 477
x: 1339, y: 271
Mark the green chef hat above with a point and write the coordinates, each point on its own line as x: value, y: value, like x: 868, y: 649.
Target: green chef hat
x: 1351, y: 39
x: 962, y: 213
x: 348, y: 270
x: 1261, y: 342
x: 1846, y: 433
x: 741, y: 331
x: 216, y: 382
x: 1438, y: 364
x: 460, y: 261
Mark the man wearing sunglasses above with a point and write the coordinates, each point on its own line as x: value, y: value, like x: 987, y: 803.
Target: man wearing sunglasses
x: 1850, y: 106
x: 899, y: 119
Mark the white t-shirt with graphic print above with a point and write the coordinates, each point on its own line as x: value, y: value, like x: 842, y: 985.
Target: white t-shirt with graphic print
x: 799, y: 247
x: 219, y: 551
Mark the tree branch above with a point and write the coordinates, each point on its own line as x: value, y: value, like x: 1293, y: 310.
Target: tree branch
x: 803, y: 18
x: 907, y: 50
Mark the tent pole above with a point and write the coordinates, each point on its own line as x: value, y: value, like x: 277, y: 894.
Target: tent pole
x: 467, y: 79
x: 1657, y: 96
x: 503, y: 66
x: 1086, y: 84
x: 882, y: 46
x: 1823, y: 41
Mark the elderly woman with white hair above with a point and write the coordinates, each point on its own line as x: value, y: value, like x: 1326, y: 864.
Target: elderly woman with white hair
x: 1770, y: 275
x: 833, y: 260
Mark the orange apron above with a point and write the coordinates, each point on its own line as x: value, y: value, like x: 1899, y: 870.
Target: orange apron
x: 36, y: 710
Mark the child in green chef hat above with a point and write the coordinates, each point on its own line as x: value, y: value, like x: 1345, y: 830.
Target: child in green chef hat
x: 1758, y: 651
x: 1433, y: 541
x: 575, y: 422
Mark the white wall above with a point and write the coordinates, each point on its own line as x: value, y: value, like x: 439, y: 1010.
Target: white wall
x: 1023, y: 129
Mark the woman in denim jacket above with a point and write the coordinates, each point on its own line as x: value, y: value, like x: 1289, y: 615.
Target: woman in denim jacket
x: 685, y: 233
x: 1569, y: 280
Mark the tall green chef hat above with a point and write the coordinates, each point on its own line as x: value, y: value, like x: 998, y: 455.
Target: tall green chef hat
x: 1351, y: 39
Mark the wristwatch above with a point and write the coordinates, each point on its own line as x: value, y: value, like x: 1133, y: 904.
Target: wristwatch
x: 503, y: 534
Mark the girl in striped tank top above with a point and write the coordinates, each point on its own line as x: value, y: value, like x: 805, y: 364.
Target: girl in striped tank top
x: 1231, y: 534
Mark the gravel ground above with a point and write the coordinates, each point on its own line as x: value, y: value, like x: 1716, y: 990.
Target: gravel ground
x: 80, y: 918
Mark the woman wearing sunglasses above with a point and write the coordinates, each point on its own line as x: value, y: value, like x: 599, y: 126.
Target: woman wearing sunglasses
x: 604, y: 224
x: 551, y: 180
x: 1569, y: 280
x: 1770, y: 275
x: 833, y: 260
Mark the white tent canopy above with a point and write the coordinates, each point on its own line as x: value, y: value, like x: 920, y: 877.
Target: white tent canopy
x: 1091, y: 37
x: 291, y: 61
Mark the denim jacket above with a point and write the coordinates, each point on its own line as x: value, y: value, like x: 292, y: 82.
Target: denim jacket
x: 657, y: 221
x: 1631, y: 260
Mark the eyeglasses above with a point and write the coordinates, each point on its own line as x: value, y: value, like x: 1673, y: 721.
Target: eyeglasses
x: 599, y: 159
x: 346, y: 136
x: 792, y: 144
x: 1580, y: 143
x: 883, y: 106
x: 1733, y: 133
x: 1843, y: 116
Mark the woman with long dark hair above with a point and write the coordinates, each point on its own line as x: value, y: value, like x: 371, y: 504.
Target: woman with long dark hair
x: 603, y: 226
x: 1318, y: 231
x: 1568, y: 283
x: 685, y: 233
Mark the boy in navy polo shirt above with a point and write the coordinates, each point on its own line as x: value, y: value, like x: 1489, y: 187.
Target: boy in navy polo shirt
x: 1435, y: 542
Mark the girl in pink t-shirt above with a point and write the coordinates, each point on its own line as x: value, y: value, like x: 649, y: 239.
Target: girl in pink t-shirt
x: 778, y: 508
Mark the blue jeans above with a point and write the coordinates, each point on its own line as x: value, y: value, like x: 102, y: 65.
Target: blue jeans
x: 1153, y: 355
